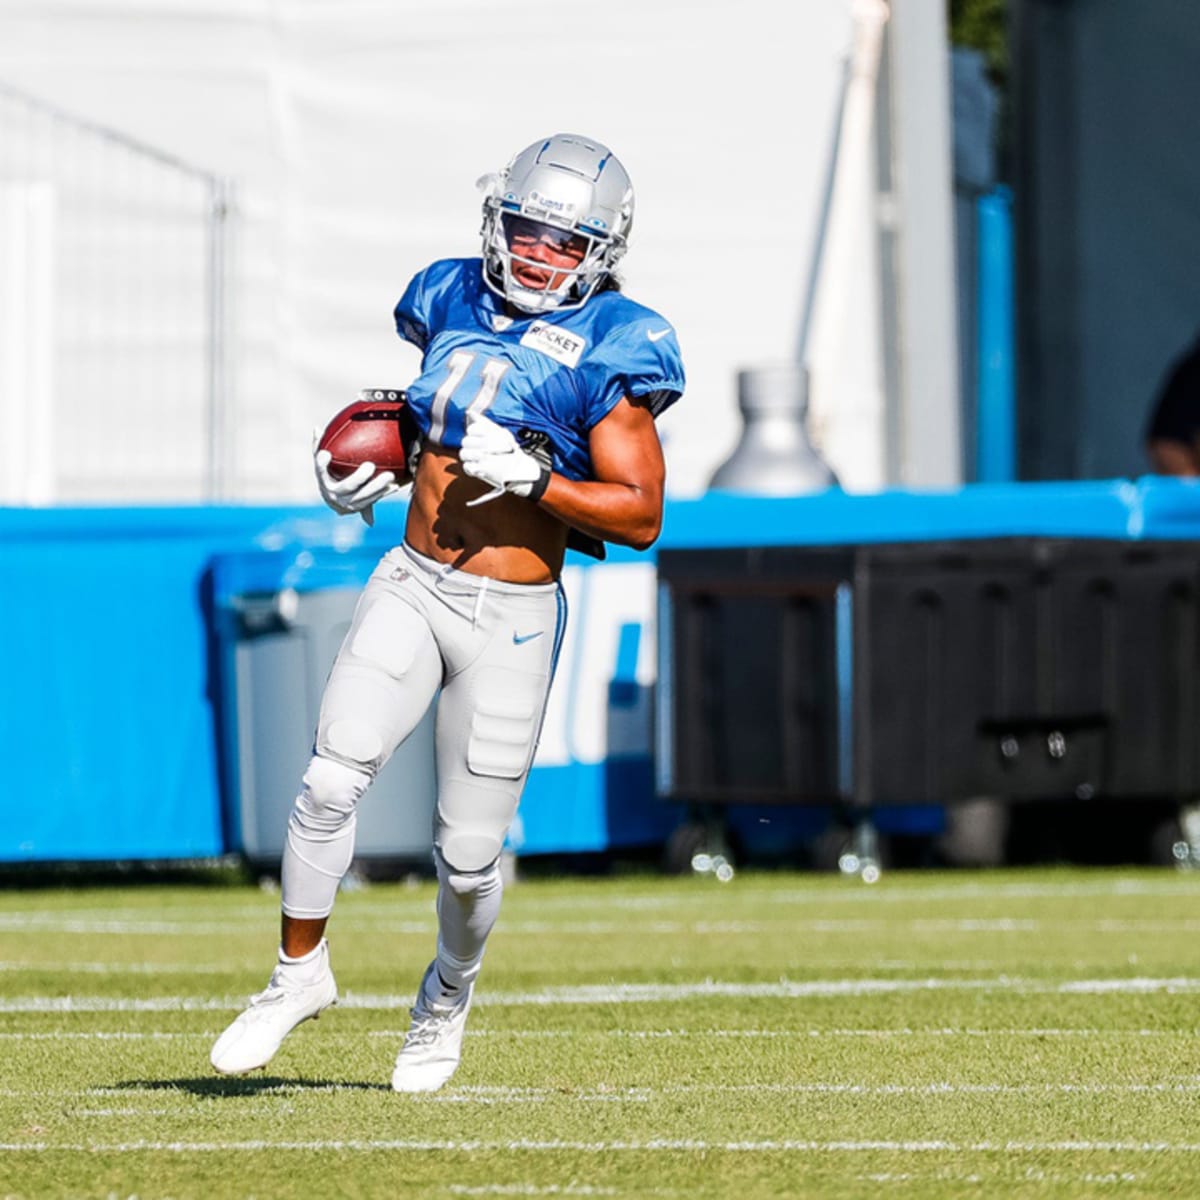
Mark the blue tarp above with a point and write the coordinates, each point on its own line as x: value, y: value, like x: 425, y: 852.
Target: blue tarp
x: 106, y: 713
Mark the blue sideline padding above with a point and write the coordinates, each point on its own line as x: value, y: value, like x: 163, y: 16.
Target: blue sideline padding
x: 107, y: 710
x: 1107, y: 509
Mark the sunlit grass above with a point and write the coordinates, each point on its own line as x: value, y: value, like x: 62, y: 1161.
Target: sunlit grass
x: 1004, y: 1033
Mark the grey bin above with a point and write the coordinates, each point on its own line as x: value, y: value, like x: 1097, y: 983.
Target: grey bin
x: 282, y: 647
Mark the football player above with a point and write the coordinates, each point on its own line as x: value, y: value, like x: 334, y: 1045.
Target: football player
x: 536, y: 402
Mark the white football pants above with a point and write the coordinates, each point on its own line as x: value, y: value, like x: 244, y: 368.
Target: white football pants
x: 491, y: 647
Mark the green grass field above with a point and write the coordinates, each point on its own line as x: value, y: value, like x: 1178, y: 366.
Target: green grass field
x: 940, y: 1034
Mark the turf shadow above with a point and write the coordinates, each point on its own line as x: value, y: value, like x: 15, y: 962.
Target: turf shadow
x: 208, y: 1085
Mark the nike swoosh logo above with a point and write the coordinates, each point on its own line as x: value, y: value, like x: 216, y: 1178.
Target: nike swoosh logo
x: 656, y: 335
x: 519, y: 639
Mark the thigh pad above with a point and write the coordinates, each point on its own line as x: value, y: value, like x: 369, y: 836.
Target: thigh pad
x: 385, y: 676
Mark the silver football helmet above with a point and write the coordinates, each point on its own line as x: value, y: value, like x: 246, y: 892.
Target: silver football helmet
x: 569, y: 183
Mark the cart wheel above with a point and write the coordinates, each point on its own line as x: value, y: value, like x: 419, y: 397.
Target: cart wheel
x: 701, y: 847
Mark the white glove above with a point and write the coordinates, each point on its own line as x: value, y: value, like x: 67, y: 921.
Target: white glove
x: 358, y: 492
x: 491, y: 453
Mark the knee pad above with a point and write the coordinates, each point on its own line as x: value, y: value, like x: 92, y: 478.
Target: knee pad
x: 466, y: 883
x: 473, y: 817
x: 327, y: 801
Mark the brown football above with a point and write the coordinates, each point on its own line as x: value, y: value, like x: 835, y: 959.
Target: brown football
x: 378, y: 428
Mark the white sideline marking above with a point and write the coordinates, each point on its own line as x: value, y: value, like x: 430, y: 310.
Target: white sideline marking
x: 645, y: 1095
x: 412, y: 914
x: 529, y: 1189
x: 648, y: 1034
x: 158, y: 1091
x: 143, y: 968
x: 637, y: 993
x: 670, y: 1145
x: 119, y: 968
x: 911, y: 890
x: 495, y: 1094
x: 123, y: 1112
x: 62, y: 1004
x: 100, y: 1037
x: 63, y: 923
x: 641, y: 993
x: 82, y: 924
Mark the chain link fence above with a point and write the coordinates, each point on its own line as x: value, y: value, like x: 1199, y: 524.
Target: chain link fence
x: 114, y: 318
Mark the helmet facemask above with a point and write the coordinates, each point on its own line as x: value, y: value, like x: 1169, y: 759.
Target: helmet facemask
x: 567, y: 187
x: 567, y: 286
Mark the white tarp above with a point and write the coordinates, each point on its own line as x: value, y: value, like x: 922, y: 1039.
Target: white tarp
x: 355, y: 131
x: 26, y: 363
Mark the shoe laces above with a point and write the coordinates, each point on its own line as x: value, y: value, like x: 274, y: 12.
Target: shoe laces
x: 428, y: 1024
x: 277, y: 990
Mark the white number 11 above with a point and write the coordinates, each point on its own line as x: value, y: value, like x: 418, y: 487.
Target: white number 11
x: 460, y: 363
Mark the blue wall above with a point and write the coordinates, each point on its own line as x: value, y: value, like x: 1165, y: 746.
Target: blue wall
x: 107, y: 710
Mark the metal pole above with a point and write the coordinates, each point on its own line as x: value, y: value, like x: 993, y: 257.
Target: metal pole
x: 928, y: 401
x: 219, y: 468
x: 997, y: 453
x: 105, y: 132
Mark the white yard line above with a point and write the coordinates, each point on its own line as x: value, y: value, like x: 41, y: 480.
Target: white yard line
x: 519, y: 1095
x: 123, y: 1112
x: 640, y: 993
x: 650, y: 1145
x: 645, y: 1034
x: 86, y: 924
x: 118, y: 968
x: 30, y: 966
x: 414, y: 913
x: 645, y: 1095
x: 909, y: 891
x: 529, y: 1189
x: 78, y: 923
x: 68, y: 1036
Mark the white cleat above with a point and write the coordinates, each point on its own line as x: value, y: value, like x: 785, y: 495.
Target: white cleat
x: 251, y: 1041
x: 433, y: 1044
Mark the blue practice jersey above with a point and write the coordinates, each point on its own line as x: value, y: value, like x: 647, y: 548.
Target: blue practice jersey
x: 557, y: 374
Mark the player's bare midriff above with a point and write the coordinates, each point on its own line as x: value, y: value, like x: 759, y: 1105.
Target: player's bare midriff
x: 505, y: 538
